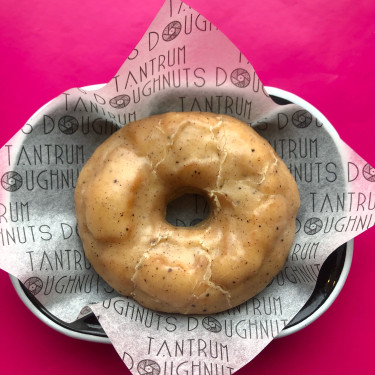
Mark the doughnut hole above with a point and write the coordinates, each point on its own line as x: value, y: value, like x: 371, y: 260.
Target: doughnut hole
x: 109, y: 197
x: 189, y: 208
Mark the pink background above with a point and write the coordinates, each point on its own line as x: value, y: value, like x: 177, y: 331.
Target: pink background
x: 323, y: 51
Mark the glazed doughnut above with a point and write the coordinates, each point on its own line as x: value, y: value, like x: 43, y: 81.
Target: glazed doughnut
x: 124, y: 188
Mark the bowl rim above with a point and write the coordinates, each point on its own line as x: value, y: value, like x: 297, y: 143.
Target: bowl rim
x: 286, y: 331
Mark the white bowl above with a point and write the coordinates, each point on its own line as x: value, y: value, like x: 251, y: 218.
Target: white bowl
x: 338, y: 283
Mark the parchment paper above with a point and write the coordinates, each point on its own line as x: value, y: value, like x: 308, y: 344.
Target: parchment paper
x: 183, y: 63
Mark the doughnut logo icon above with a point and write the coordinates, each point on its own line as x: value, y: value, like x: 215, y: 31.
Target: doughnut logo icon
x: 148, y: 367
x: 313, y: 226
x: 171, y: 31
x: 301, y: 119
x: 85, y: 311
x: 11, y: 181
x: 120, y: 101
x: 34, y: 285
x: 240, y: 77
x: 211, y: 324
x: 68, y: 124
x: 368, y: 173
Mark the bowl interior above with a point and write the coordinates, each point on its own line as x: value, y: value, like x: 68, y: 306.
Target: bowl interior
x: 329, y: 283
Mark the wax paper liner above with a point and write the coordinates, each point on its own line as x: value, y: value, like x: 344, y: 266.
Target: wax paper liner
x: 182, y: 63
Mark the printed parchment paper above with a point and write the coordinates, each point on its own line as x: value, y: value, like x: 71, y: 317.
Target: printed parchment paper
x: 183, y: 63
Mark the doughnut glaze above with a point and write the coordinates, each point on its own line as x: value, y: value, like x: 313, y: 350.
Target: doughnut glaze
x: 121, y: 199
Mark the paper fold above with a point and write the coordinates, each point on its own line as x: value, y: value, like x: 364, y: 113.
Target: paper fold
x: 183, y: 63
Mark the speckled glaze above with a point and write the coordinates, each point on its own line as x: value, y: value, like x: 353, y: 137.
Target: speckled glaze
x: 122, y: 194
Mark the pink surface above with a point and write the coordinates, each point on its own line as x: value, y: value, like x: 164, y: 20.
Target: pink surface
x: 322, y: 51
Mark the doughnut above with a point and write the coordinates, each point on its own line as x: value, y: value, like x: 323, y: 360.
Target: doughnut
x: 124, y: 188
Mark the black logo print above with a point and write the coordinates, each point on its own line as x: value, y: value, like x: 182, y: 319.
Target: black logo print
x: 211, y: 324
x: 301, y: 119
x: 120, y: 101
x: 171, y: 31
x: 148, y: 367
x: 34, y: 285
x: 313, y: 226
x: 11, y: 181
x: 85, y: 311
x: 240, y: 77
x: 68, y: 124
x: 368, y: 173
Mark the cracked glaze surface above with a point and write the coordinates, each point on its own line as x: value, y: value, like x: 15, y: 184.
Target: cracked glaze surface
x: 124, y: 188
